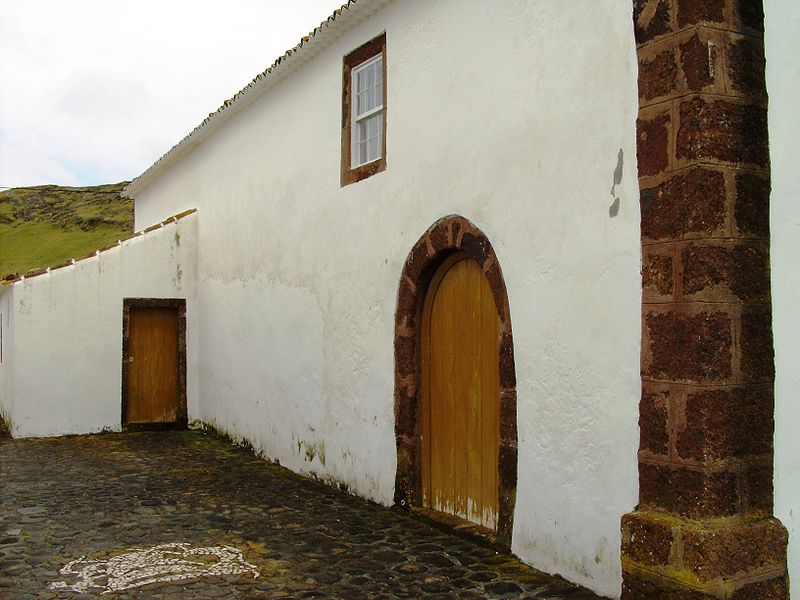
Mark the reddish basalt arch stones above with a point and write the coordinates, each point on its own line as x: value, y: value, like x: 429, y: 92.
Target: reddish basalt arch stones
x: 448, y: 235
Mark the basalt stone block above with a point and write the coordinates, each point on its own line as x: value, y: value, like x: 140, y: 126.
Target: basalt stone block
x: 658, y: 76
x: 405, y: 352
x: 657, y: 279
x: 508, y: 378
x: 750, y: 280
x: 439, y: 237
x: 495, y: 278
x: 720, y: 273
x: 751, y: 209
x: 704, y: 266
x: 637, y: 586
x: 688, y: 347
x: 651, y: 19
x: 405, y: 482
x: 695, y: 494
x: 458, y: 226
x: 693, y: 12
x: 697, y: 62
x: 757, y: 487
x: 475, y: 247
x: 406, y: 413
x: 508, y: 417
x: 652, y: 144
x: 407, y: 301
x: 416, y: 262
x: 751, y: 14
x: 687, y: 204
x: 755, y: 342
x: 747, y: 67
x: 773, y: 589
x: 646, y: 538
x: 727, y: 423
x: 734, y: 548
x: 653, y: 417
x: 507, y: 466
x: 723, y: 131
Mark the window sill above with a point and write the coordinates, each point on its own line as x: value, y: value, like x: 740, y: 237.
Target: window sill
x: 362, y: 172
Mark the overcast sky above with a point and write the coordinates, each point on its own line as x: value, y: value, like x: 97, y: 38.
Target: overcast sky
x: 95, y: 91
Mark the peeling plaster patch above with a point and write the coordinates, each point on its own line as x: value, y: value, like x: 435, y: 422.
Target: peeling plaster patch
x: 139, y: 567
x: 613, y: 210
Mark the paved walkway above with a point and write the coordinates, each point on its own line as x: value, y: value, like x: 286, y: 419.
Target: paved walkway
x: 185, y: 515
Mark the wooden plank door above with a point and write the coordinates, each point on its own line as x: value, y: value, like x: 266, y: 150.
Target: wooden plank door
x: 152, y: 366
x: 461, y: 394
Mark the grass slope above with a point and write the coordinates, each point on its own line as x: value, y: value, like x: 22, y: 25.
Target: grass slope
x: 46, y: 225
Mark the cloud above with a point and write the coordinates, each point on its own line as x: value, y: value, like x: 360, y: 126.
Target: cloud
x: 94, y: 91
x: 26, y: 161
x: 101, y: 95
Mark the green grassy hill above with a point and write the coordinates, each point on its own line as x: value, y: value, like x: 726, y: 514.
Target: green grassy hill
x: 47, y: 225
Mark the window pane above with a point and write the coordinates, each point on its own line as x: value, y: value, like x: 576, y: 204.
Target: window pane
x: 376, y: 139
x: 359, y: 81
x: 369, y: 100
x: 362, y: 131
x: 370, y: 73
x: 368, y: 139
x: 379, y: 94
x: 373, y: 151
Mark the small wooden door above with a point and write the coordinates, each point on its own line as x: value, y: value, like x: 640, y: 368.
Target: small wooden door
x: 152, y: 366
x: 460, y: 394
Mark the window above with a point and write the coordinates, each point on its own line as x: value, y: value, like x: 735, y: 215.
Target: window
x: 364, y: 111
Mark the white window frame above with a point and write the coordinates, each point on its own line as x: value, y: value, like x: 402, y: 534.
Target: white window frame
x: 356, y: 119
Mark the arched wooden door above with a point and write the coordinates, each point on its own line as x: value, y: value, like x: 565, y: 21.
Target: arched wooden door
x: 460, y: 393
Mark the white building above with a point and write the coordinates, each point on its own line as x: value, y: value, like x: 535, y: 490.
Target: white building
x: 303, y: 292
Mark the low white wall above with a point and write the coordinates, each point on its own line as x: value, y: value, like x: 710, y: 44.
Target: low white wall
x: 783, y: 84
x: 6, y: 351
x: 67, y: 356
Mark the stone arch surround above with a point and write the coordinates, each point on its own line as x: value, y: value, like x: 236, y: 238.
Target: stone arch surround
x: 448, y: 235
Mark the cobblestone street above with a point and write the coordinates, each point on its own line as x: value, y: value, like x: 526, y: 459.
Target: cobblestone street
x: 186, y: 515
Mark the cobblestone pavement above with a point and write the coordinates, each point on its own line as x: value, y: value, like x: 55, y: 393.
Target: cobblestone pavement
x: 108, y: 500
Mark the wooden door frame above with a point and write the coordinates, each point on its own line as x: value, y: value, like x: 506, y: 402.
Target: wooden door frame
x: 180, y: 305
x: 444, y: 238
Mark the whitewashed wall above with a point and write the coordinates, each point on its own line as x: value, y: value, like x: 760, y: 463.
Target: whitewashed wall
x: 515, y: 115
x: 783, y: 84
x: 66, y: 374
x: 6, y: 351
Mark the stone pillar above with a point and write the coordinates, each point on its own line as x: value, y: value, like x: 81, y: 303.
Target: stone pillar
x: 704, y: 527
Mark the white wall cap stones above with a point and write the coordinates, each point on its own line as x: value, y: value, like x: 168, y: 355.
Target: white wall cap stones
x: 16, y: 278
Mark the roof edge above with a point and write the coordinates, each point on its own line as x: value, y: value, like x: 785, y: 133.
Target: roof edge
x: 343, y: 19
